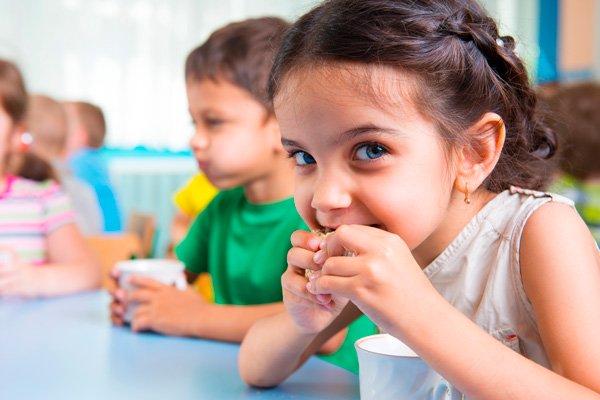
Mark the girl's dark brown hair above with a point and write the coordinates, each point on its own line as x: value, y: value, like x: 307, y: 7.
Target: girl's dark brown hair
x: 13, y: 99
x: 242, y: 53
x: 462, y: 66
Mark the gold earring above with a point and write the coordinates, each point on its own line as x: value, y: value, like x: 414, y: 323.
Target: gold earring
x: 467, y: 198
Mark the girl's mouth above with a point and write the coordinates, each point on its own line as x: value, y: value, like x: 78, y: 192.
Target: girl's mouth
x: 325, y: 230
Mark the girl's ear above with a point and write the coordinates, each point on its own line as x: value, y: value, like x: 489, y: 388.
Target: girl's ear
x: 477, y: 159
x: 20, y: 139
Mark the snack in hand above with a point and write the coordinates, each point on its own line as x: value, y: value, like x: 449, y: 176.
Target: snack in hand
x: 323, y: 233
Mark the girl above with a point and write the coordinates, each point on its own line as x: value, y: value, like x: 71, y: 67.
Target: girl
x: 413, y: 125
x: 42, y: 252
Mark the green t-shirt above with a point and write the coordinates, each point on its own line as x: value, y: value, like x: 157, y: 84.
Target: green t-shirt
x: 243, y: 246
x: 345, y: 356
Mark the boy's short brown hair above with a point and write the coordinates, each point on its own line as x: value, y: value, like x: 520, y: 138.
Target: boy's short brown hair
x: 242, y: 53
x: 576, y: 119
x: 91, y: 117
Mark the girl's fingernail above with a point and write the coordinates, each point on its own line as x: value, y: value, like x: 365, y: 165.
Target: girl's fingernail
x: 319, y: 257
x: 314, y: 243
x: 309, y: 287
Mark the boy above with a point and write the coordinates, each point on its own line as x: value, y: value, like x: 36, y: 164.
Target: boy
x: 242, y: 237
x: 87, y: 129
x: 577, y: 109
x: 47, y: 123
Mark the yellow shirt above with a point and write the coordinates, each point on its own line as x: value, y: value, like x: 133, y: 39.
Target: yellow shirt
x: 195, y: 195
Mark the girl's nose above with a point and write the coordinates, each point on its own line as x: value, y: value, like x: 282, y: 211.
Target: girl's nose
x: 331, y: 193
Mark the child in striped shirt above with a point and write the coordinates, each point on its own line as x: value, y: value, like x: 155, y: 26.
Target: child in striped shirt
x: 42, y: 253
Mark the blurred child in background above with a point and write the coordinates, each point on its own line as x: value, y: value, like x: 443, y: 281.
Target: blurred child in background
x: 43, y: 252
x: 576, y: 112
x: 47, y: 123
x: 87, y: 129
x: 242, y: 237
x: 189, y: 202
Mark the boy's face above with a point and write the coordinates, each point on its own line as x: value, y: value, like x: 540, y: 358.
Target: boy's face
x: 234, y: 141
x: 361, y: 161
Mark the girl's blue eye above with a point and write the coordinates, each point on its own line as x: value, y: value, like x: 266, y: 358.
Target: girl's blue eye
x: 303, y: 158
x: 370, y: 151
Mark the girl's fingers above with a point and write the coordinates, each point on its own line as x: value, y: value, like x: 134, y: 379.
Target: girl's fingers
x: 295, y: 284
x: 117, y: 309
x: 6, y: 283
x: 306, y: 240
x: 302, y: 259
x: 343, y: 266
x: 329, y: 284
x: 359, y: 239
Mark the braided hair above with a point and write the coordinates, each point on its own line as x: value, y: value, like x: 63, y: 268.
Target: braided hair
x: 463, y: 68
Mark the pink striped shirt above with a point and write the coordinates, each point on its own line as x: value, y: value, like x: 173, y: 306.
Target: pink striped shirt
x: 29, y: 212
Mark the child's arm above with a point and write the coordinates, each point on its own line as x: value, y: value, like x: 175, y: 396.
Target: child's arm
x: 167, y: 310
x: 561, y: 275
x: 307, y: 325
x: 267, y: 359
x: 71, y: 268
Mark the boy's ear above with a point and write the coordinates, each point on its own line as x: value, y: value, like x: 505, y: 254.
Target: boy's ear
x: 477, y: 159
x: 272, y: 126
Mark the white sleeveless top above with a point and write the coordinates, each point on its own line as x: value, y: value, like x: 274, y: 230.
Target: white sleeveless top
x: 480, y: 273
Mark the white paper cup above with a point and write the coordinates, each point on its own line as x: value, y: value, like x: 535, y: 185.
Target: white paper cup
x: 169, y: 272
x: 389, y: 369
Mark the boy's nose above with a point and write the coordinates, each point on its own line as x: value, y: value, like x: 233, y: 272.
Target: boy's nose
x: 330, y: 193
x: 199, y: 140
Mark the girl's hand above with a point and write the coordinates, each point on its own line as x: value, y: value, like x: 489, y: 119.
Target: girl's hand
x: 163, y: 308
x: 16, y: 278
x: 311, y: 313
x: 383, y: 279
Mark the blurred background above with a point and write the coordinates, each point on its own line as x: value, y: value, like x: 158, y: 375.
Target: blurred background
x: 127, y: 56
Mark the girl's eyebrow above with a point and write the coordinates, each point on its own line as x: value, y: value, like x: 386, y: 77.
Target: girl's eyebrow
x: 362, y: 130
x: 289, y: 143
x: 350, y: 134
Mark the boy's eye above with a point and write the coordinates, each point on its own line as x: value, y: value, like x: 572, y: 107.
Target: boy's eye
x: 302, y: 158
x: 213, y: 121
x: 370, y: 151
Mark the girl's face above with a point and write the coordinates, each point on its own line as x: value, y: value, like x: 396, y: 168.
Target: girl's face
x: 8, y: 132
x: 364, y: 161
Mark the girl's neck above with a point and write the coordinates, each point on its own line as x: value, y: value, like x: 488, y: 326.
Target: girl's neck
x: 458, y: 216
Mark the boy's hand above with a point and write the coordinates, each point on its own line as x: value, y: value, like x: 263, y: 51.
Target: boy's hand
x: 164, y: 308
x: 16, y: 278
x: 312, y: 313
x: 117, y: 305
x: 383, y: 279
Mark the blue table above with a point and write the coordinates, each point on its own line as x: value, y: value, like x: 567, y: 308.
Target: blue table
x: 66, y: 348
